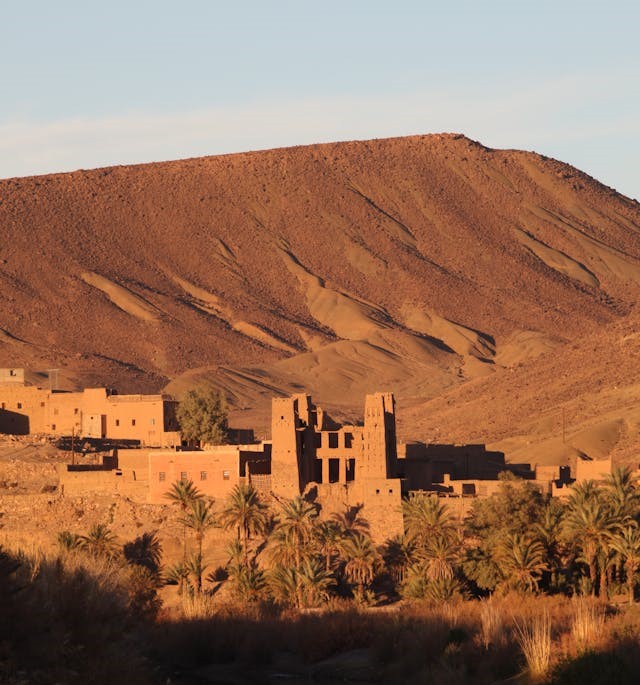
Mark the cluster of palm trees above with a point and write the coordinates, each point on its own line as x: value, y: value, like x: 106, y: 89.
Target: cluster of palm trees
x: 514, y: 540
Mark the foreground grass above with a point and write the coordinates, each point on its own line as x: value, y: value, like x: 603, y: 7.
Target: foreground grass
x: 78, y: 619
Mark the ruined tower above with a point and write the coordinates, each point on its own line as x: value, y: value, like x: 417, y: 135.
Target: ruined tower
x: 380, y: 455
x: 292, y: 449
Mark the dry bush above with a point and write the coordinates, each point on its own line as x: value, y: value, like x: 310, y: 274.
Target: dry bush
x: 195, y: 606
x: 534, y: 638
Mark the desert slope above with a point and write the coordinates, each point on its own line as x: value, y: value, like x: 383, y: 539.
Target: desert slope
x: 416, y: 264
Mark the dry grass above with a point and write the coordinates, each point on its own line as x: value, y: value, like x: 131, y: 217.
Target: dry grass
x: 534, y: 638
x: 492, y: 632
x: 587, y: 624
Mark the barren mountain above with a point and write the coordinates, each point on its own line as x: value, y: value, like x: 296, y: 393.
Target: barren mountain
x: 487, y: 288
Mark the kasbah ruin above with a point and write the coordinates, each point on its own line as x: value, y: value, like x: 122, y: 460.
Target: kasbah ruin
x: 339, y: 467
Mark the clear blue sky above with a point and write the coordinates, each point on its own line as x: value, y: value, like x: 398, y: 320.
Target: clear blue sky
x: 87, y: 84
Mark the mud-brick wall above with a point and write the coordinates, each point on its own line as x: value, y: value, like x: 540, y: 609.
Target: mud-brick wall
x: 78, y: 483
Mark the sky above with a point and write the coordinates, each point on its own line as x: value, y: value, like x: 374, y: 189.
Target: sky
x: 90, y: 84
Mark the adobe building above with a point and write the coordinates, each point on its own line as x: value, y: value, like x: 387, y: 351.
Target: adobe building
x: 91, y: 413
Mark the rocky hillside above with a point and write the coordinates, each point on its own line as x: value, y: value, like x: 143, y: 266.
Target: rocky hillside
x: 429, y: 265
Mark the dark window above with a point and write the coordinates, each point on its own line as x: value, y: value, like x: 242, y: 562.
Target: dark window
x: 377, y: 492
x: 203, y: 475
x: 162, y: 476
x: 42, y: 404
x: 133, y: 422
x: 75, y: 411
x: 225, y: 475
x: 3, y: 406
x: 152, y: 422
x: 333, y: 440
x: 351, y: 469
x: 318, y: 439
x: 334, y: 470
x: 117, y: 422
x: 53, y: 426
x: 348, y: 440
x: 183, y: 475
x: 19, y: 405
x: 468, y: 488
x: 391, y: 492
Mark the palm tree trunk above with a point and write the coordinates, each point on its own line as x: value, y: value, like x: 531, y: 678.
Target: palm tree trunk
x: 630, y: 573
x: 593, y: 573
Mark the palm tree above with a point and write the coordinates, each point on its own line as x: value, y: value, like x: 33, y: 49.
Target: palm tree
x: 440, y: 556
x: 521, y: 561
x: 397, y: 555
x: 283, y: 581
x: 424, y: 517
x: 68, y: 541
x: 329, y: 534
x: 244, y: 511
x: 195, y: 567
x: 589, y: 522
x: 625, y: 540
x: 199, y: 518
x: 314, y: 582
x: 297, y: 525
x: 145, y: 551
x: 99, y: 542
x: 549, y: 531
x: 361, y: 561
x: 621, y: 493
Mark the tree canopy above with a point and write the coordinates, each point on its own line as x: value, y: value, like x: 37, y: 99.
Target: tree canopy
x: 203, y: 415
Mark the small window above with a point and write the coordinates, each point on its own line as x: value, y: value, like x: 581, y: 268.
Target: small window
x: 12, y: 372
x: 183, y: 475
x: 3, y: 406
x: 391, y: 492
x: 152, y: 422
x: 377, y: 492
x: 133, y: 422
x: 348, y: 440
x: 333, y: 440
x: 318, y: 439
x: 75, y: 411
x: 117, y: 422
x: 19, y: 405
x: 225, y: 475
x: 203, y: 475
x: 41, y: 404
x: 53, y: 426
x: 162, y: 476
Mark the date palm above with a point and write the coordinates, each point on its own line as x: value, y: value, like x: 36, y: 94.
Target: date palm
x: 589, y: 522
x: 199, y: 518
x: 183, y: 493
x: 397, y: 555
x: 314, y: 582
x: 625, y: 540
x: 622, y: 494
x: 296, y: 525
x: 329, y: 535
x: 361, y: 561
x: 99, y: 542
x: 521, y: 561
x: 440, y: 556
x: 425, y: 516
x: 244, y: 511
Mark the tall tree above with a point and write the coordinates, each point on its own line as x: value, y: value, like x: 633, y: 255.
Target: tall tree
x: 361, y: 561
x: 203, y: 416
